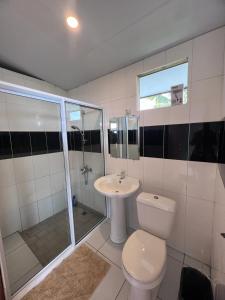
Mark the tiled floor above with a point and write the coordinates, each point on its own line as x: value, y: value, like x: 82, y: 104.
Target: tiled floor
x: 21, y: 263
x: 114, y: 285
x: 50, y: 237
x: 29, y: 251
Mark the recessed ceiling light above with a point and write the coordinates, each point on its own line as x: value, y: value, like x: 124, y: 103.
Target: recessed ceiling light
x: 72, y: 22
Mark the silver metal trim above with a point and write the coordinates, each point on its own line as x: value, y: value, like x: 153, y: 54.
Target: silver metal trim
x: 67, y: 171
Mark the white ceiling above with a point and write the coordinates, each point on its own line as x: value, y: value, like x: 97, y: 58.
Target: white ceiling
x: 112, y: 34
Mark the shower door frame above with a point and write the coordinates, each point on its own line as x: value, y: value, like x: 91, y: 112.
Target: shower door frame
x: 14, y: 89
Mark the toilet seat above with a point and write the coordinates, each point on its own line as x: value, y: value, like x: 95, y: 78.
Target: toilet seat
x: 144, y: 259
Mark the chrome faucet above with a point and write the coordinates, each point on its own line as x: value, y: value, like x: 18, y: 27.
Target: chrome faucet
x: 85, y: 169
x: 122, y: 175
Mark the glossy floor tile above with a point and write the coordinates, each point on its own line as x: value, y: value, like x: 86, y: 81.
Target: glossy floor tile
x: 100, y: 236
x: 114, y: 285
x: 112, y: 251
x: 21, y: 263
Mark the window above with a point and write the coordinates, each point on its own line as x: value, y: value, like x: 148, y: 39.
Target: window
x: 163, y: 88
x: 75, y: 115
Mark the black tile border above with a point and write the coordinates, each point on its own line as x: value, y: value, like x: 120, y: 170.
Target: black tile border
x: 176, y: 141
x: 28, y: 143
x: 5, y: 145
x: 202, y: 141
x: 153, y: 141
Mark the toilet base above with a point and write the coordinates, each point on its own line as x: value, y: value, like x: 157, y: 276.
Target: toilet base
x: 141, y: 294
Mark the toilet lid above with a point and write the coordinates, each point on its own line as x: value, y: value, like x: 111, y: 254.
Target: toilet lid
x: 144, y: 256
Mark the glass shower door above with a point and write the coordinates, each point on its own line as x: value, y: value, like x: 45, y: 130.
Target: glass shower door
x: 86, y: 163
x: 34, y: 224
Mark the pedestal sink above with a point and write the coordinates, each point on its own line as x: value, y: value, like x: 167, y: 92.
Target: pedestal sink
x: 117, y: 189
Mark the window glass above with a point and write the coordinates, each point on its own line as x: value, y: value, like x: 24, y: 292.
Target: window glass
x: 156, y: 88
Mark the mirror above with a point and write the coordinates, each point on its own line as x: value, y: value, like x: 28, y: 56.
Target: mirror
x: 123, y: 137
x: 133, y: 137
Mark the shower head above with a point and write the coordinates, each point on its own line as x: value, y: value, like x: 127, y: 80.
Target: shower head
x: 75, y: 128
x: 81, y: 133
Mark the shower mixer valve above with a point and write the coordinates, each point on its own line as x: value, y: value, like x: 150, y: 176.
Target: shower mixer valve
x: 85, y: 169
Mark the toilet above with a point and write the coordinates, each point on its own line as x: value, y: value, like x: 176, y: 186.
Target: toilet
x: 144, y: 254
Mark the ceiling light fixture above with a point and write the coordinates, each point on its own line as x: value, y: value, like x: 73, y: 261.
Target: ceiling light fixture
x: 72, y: 22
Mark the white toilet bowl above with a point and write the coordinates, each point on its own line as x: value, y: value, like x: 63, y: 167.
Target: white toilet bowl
x: 144, y: 264
x: 144, y: 253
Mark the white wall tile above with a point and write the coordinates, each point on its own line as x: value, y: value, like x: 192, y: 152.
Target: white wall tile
x: 198, y: 231
x: 191, y: 262
x: 218, y: 258
x: 8, y: 199
x: 23, y: 168
x: 95, y: 161
x: 100, y: 89
x: 223, y: 93
x: 206, y: 97
x: 219, y: 188
x: 86, y: 196
x: 29, y: 215
x: 57, y: 182
x: 118, y: 83
x: 208, y: 55
x: 177, y: 237
x: 50, y: 113
x: 135, y: 168
x: 175, y: 176
x: 9, y: 211
x: 155, y: 61
x: 41, y: 165
x: 12, y: 77
x: 56, y: 162
x: 131, y: 73
x: 42, y: 187
x: 45, y: 208
x: 180, y: 52
x: 10, y: 223
x: 117, y: 108
x: 217, y: 277
x: 26, y: 193
x: 201, y: 180
x: 7, y: 177
x: 4, y: 125
x: 132, y: 105
x: 158, y: 116
x: 59, y: 202
x: 153, y: 174
x: 180, y: 113
x: 23, y: 113
x: 131, y: 211
x: 99, y: 203
x: 116, y: 165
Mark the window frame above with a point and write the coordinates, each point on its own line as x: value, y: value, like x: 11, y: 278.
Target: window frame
x: 156, y: 70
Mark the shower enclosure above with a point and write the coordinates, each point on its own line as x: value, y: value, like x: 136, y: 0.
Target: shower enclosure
x: 51, y: 152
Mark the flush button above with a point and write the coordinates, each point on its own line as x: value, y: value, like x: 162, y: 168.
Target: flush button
x: 156, y: 197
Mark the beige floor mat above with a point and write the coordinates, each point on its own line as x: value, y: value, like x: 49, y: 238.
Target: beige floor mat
x: 75, y: 278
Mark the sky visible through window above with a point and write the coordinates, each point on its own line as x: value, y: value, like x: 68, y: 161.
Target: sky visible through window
x: 155, y: 88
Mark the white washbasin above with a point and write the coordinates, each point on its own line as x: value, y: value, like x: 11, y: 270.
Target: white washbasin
x: 114, y: 187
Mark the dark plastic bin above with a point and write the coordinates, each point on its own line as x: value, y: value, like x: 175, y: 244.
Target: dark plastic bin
x: 194, y: 285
